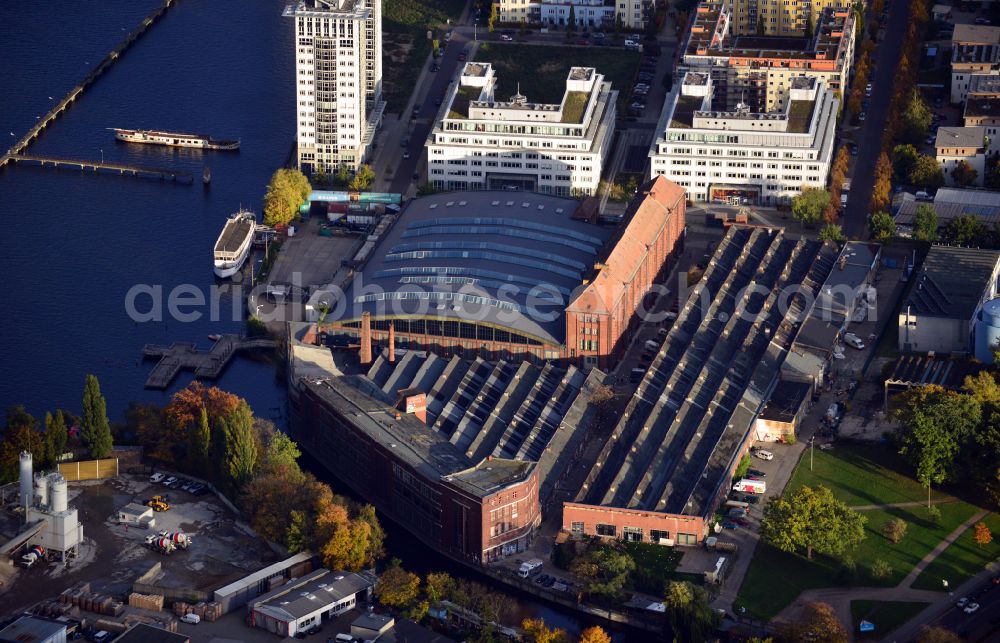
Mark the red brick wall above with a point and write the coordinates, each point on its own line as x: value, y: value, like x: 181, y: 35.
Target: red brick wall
x: 674, y: 524
x: 472, y: 537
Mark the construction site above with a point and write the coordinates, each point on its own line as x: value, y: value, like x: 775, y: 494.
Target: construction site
x: 121, y: 549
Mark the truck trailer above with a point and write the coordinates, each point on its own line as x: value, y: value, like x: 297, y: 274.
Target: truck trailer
x: 750, y: 486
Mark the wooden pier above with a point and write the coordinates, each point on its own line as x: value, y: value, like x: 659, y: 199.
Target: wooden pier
x: 22, y: 143
x: 141, y: 171
x: 206, y: 365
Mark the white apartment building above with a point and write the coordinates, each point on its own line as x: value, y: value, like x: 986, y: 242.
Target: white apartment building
x: 955, y: 144
x: 742, y: 157
x: 338, y: 78
x: 482, y: 143
x: 975, y: 51
x: 590, y: 14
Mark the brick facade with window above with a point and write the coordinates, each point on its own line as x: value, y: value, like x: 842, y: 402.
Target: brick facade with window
x: 632, y: 524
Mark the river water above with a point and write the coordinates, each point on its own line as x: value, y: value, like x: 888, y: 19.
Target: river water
x: 75, y: 245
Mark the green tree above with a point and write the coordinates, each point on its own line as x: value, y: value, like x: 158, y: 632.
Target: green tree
x: 903, y: 158
x: 56, y: 433
x: 278, y: 451
x: 832, y: 232
x: 287, y: 190
x: 297, y: 534
x: 343, y: 176
x: 963, y: 174
x: 926, y: 172
x: 375, y: 543
x: 965, y: 230
x: 95, y: 430
x: 241, y: 445
x: 439, y: 586
x: 933, y: 424
x: 992, y: 178
x: 880, y: 568
x: 605, y: 569
x: 320, y: 176
x: 397, y: 587
x: 811, y: 519
x: 915, y: 119
x: 925, y: 223
x: 691, y: 616
x: 571, y: 21
x: 808, y: 206
x: 492, y: 20
x: 883, y: 227
x: 894, y: 529
x: 200, y: 443
x: 20, y: 434
x: 363, y: 178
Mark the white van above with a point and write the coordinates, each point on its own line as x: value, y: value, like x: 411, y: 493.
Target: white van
x: 193, y: 619
x: 529, y: 568
x: 922, y: 196
x: 344, y: 638
x: 854, y: 341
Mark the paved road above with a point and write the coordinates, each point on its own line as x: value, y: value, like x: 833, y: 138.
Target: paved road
x: 855, y: 218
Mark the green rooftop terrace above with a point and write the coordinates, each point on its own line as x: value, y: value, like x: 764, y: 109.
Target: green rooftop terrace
x: 576, y: 103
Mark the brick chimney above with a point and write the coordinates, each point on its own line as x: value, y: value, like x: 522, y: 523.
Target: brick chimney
x: 366, y: 338
x: 392, y: 343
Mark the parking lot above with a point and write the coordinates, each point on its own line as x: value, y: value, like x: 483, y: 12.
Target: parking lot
x: 112, y: 556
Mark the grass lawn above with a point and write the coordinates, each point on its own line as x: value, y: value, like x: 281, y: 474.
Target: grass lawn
x: 885, y: 615
x: 405, y: 44
x: 859, y: 475
x: 962, y: 560
x: 541, y: 70
x: 775, y: 578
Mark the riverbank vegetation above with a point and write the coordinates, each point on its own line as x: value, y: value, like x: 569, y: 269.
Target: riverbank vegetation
x: 61, y: 432
x: 287, y: 190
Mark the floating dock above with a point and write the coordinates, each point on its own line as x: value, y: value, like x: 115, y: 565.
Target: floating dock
x: 22, y: 143
x: 206, y: 365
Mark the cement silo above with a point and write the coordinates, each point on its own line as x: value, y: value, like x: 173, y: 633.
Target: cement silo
x: 26, y: 480
x: 42, y: 490
x: 57, y: 493
x: 988, y: 330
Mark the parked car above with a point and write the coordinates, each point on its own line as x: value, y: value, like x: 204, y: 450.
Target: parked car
x: 962, y: 602
x: 541, y: 579
x: 982, y: 21
x: 764, y: 455
x: 506, y: 38
x: 156, y: 477
x: 751, y: 498
x: 406, y: 154
x: 756, y: 472
x: 462, y: 56
x: 742, y: 522
x: 599, y: 35
x: 971, y: 608
x: 171, y: 481
x: 862, y: 116
x: 854, y: 341
x: 447, y: 36
x: 729, y: 524
x: 194, y: 619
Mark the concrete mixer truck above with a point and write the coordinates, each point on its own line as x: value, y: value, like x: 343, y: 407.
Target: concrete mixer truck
x: 35, y: 554
x: 160, y: 544
x: 179, y: 539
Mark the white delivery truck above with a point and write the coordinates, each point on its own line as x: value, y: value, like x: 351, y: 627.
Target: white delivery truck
x: 530, y: 567
x: 750, y: 486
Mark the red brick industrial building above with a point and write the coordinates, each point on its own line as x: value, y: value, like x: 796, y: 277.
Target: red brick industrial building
x: 513, y: 276
x: 602, y: 315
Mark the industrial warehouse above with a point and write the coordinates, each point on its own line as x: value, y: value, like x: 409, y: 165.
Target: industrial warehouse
x: 513, y: 276
x: 668, y: 462
x: 437, y: 441
x: 463, y: 453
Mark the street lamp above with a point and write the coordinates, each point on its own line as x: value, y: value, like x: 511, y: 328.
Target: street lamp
x: 102, y: 156
x: 811, y: 440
